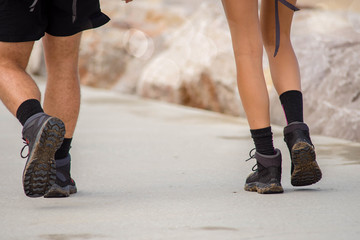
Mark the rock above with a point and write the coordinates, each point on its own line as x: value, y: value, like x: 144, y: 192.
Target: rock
x: 113, y: 56
x: 197, y: 67
x: 329, y: 60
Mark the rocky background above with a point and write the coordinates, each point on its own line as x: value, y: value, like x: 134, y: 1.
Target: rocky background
x: 180, y: 51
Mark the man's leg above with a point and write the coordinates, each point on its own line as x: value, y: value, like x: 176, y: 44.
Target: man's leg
x: 62, y: 96
x: 43, y: 133
x: 16, y: 86
x: 62, y: 99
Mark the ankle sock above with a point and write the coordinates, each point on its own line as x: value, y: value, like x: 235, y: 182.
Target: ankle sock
x: 292, y: 102
x: 64, y: 149
x: 27, y: 109
x: 263, y: 139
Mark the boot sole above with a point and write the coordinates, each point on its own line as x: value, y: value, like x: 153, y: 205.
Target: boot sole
x: 40, y: 170
x: 306, y: 170
x: 263, y: 188
x: 59, y: 192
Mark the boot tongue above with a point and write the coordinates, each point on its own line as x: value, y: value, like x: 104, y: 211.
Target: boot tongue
x: 269, y: 160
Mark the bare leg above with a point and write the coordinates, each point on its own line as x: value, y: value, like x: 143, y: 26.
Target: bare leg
x: 286, y: 76
x: 62, y: 97
x: 16, y: 86
x: 244, y: 25
x: 284, y: 67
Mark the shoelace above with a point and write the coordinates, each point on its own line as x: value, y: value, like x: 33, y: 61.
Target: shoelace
x: 277, y: 20
x: 26, y: 142
x: 252, y: 156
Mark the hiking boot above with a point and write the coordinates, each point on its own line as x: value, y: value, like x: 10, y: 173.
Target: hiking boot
x: 64, y: 184
x: 304, y: 168
x: 267, y: 177
x: 43, y: 135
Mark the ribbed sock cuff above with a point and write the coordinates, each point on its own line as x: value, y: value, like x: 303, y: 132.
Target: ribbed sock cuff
x: 27, y: 109
x: 292, y: 102
x: 263, y: 140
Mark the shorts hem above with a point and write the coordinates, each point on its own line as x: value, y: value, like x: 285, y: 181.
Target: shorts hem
x: 20, y: 38
x: 95, y: 22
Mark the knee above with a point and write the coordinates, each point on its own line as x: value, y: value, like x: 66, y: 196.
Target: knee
x: 8, y: 64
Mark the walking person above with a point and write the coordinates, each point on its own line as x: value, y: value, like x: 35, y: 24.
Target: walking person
x: 249, y: 35
x: 59, y: 23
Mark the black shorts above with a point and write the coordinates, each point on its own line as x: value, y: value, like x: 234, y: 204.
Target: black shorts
x: 29, y: 20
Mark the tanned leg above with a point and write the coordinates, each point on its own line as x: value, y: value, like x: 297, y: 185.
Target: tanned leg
x: 62, y: 97
x: 16, y: 86
x: 245, y: 30
x: 284, y: 67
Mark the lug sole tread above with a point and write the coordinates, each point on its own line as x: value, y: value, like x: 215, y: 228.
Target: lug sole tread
x: 40, y: 171
x: 306, y: 169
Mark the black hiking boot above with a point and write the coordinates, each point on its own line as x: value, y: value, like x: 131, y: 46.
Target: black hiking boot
x: 266, y: 178
x: 43, y: 135
x: 304, y: 168
x: 64, y: 184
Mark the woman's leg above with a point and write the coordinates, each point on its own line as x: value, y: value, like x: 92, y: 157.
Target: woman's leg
x: 286, y: 77
x: 284, y: 67
x: 245, y: 30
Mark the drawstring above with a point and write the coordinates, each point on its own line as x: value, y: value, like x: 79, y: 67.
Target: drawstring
x: 32, y: 7
x: 277, y: 21
x: 74, y: 10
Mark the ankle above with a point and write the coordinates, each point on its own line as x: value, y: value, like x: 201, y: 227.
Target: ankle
x: 263, y: 140
x: 27, y: 109
x: 64, y: 149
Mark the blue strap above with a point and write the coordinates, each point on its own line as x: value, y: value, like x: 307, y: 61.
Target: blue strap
x: 277, y: 21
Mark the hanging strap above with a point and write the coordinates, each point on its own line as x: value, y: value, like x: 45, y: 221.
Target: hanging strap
x: 74, y: 10
x: 32, y: 7
x: 277, y: 21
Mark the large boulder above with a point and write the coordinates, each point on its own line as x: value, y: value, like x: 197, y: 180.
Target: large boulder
x: 196, y: 67
x: 114, y: 56
x: 328, y: 49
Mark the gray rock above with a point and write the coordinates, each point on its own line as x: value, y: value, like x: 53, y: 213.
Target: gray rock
x: 114, y: 56
x: 330, y: 67
x: 197, y: 67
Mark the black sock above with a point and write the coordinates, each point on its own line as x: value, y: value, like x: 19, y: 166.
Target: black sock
x: 292, y: 103
x: 27, y: 109
x: 64, y: 149
x: 263, y: 139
